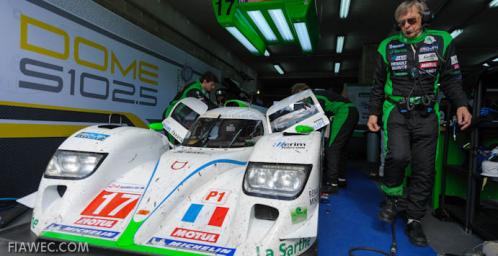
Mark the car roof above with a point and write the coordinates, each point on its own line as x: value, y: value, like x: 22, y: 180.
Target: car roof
x: 235, y: 113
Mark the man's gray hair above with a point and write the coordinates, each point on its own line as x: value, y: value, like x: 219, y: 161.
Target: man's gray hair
x: 405, y: 6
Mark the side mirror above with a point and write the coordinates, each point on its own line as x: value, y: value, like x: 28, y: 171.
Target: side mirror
x: 304, y: 129
x: 158, y: 127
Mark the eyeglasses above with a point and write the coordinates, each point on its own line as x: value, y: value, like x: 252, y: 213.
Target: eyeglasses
x: 410, y: 21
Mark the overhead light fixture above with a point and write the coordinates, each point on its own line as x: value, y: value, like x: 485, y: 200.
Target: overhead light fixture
x: 260, y: 21
x: 278, y: 17
x: 337, y: 67
x: 493, y: 3
x: 339, y: 46
x: 344, y: 9
x: 486, y: 65
x: 456, y: 33
x: 303, y: 36
x: 258, y: 92
x: 267, y: 53
x: 278, y: 69
x: 495, y: 60
x: 242, y: 39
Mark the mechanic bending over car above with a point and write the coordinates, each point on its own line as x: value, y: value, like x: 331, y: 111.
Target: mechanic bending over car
x: 344, y: 122
x: 410, y: 66
x: 199, y: 89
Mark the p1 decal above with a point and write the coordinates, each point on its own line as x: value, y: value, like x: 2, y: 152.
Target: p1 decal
x: 211, y: 249
x: 111, y: 205
x: 82, y: 231
x: 195, y: 235
x: 217, y: 216
x: 177, y: 165
x: 216, y: 196
x: 96, y: 222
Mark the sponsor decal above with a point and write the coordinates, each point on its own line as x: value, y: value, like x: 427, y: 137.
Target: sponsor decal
x: 125, y: 187
x: 143, y: 212
x: 92, y: 136
x: 111, y: 205
x: 429, y: 40
x: 428, y: 64
x: 177, y: 165
x: 216, y: 216
x: 195, y: 235
x: 34, y: 222
x: 398, y: 65
x: 96, y: 222
x: 400, y: 73
x: 398, y: 57
x: 290, y: 249
x: 163, y: 242
x: 397, y: 51
x: 82, y: 231
x: 217, y: 196
x: 314, y: 196
x: 432, y: 48
x: 396, y: 46
x: 289, y: 145
x: 454, y: 60
x: 456, y: 66
x: 425, y: 71
x: 299, y: 215
x: 317, y: 124
x: 427, y: 57
x: 171, y: 131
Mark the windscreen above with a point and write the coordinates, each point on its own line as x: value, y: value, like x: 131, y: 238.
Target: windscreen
x: 292, y: 114
x: 184, y: 115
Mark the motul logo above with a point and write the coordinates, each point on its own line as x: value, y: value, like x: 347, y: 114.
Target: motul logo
x: 94, y: 222
x: 195, y: 235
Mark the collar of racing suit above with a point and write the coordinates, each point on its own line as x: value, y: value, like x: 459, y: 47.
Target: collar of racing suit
x: 415, y: 40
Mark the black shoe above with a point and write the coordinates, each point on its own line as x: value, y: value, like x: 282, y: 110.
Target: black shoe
x: 388, y: 210
x: 330, y: 188
x: 416, y: 234
x: 342, y: 182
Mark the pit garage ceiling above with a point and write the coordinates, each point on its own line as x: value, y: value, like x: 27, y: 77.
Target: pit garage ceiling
x: 369, y: 21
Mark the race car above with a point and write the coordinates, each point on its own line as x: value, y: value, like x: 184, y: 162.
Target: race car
x: 241, y: 182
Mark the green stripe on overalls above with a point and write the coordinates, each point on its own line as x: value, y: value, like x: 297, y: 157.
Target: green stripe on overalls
x: 340, y: 118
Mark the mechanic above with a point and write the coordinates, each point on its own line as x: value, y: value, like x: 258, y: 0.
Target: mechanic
x: 199, y: 89
x: 344, y: 122
x: 221, y: 97
x: 411, y: 65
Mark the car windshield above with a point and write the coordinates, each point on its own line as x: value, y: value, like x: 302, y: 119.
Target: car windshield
x: 224, y: 133
x: 292, y: 114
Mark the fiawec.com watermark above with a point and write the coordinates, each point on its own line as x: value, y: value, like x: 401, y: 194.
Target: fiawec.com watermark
x: 47, y: 247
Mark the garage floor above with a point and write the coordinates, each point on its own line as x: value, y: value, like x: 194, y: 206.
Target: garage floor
x: 350, y: 220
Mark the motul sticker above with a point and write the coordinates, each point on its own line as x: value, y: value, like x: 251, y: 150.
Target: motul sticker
x: 428, y: 64
x: 427, y: 57
x: 454, y: 60
x: 96, y: 222
x: 177, y: 165
x: 111, y: 205
x: 195, y: 235
x: 216, y: 196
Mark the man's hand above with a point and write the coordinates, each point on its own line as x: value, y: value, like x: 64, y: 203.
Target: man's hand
x: 372, y: 123
x: 463, y: 116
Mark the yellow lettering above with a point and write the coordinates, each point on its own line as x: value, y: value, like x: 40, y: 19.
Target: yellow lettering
x: 141, y: 72
x: 25, y: 21
x: 80, y: 40
x: 115, y: 62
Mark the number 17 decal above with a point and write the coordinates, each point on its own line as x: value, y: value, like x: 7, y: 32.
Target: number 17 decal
x: 111, y: 205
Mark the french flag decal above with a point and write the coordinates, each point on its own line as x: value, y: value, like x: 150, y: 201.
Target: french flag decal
x: 198, y: 213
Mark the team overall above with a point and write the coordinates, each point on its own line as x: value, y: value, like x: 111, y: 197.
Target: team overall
x: 405, y: 91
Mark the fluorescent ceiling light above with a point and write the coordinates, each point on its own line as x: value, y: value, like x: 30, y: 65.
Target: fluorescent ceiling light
x: 262, y: 25
x: 344, y: 9
x: 339, y: 46
x: 278, y: 69
x: 267, y: 53
x: 486, y: 64
x: 278, y: 17
x: 303, y: 36
x: 456, y: 33
x: 495, y: 60
x: 493, y: 3
x: 242, y: 39
x: 337, y: 67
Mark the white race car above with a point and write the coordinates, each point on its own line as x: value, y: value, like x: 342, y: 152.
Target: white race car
x: 240, y: 183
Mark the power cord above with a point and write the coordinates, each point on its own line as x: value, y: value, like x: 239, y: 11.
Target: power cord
x: 392, y: 251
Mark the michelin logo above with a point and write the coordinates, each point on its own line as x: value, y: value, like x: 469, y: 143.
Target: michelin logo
x: 82, y: 231
x: 92, y: 136
x: 163, y: 242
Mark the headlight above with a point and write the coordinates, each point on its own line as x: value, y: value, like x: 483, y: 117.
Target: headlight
x: 67, y: 164
x: 282, y: 181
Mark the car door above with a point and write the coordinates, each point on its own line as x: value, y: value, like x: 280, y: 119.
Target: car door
x: 298, y: 113
x: 182, y: 117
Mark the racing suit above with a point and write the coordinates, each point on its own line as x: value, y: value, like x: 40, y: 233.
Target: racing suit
x: 406, y: 85
x: 344, y: 122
